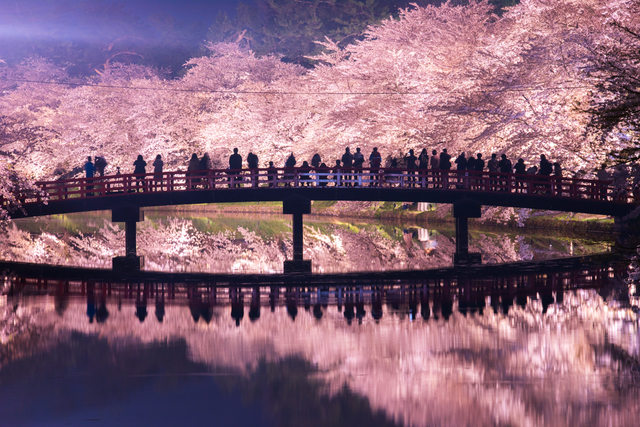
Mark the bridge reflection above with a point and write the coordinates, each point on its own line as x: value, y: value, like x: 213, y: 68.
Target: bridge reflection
x: 434, y: 294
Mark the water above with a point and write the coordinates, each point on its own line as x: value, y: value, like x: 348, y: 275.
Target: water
x: 547, y: 344
x: 260, y: 244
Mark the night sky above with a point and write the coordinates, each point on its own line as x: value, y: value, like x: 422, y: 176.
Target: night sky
x: 87, y: 19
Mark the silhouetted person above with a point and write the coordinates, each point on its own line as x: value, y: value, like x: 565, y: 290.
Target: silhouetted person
x: 358, y: 163
x: 423, y: 160
x: 493, y: 163
x: 478, y: 165
x: 445, y: 160
x: 304, y: 174
x: 375, y: 160
x: 347, y: 163
x: 235, y: 164
x: 289, y: 166
x: 337, y: 172
x: 546, y: 168
x: 205, y: 162
x: 89, y: 170
x: 140, y: 167
x: 316, y: 160
x: 471, y: 163
x: 445, y: 165
x: 557, y: 176
x: 205, y: 165
x: 158, y: 165
x: 461, y: 162
x: 410, y: 160
x: 504, y: 165
x: 434, y: 165
x: 322, y: 175
x: 272, y: 175
x: 252, y: 162
x: 100, y: 164
x: 520, y: 169
x: 545, y: 171
x: 194, y: 165
x: 461, y: 168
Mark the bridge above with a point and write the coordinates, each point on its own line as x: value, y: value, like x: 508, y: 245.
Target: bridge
x: 467, y: 191
x: 469, y: 286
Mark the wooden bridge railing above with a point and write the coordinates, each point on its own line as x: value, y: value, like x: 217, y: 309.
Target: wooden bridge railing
x: 440, y: 180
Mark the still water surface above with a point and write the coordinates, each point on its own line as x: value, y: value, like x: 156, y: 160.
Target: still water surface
x: 260, y: 244
x: 536, y: 349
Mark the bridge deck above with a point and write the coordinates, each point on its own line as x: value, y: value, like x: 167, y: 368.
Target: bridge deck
x: 366, y: 184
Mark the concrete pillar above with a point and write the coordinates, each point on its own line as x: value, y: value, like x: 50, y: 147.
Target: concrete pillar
x: 462, y: 235
x: 297, y: 206
x: 130, y: 215
x: 297, y: 237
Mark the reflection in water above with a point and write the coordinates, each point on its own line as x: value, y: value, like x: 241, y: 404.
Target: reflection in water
x: 557, y: 348
x: 261, y: 245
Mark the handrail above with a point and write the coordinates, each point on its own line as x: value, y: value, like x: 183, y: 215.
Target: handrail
x: 271, y: 178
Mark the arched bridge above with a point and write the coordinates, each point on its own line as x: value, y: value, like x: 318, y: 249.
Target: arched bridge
x: 124, y: 195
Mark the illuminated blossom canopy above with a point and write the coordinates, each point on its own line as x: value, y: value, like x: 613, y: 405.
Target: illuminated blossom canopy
x: 524, y: 83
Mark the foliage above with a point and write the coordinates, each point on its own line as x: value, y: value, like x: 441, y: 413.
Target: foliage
x: 524, y: 83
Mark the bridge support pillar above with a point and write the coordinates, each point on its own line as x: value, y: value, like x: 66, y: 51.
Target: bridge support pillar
x: 130, y: 215
x: 297, y: 206
x: 462, y: 211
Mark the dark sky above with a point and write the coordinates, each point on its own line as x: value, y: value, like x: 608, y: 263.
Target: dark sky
x: 62, y: 19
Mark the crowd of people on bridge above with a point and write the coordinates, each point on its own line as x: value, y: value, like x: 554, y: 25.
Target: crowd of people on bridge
x: 354, y: 169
